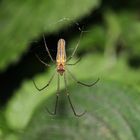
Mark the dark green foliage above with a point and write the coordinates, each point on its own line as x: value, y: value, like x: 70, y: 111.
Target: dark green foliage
x: 109, y: 50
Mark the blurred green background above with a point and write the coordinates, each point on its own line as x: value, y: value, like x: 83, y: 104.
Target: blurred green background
x: 110, y: 50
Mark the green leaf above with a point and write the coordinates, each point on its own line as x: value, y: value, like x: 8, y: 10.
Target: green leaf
x: 23, y: 21
x: 130, y: 26
x: 22, y: 106
x: 112, y: 114
x: 113, y: 34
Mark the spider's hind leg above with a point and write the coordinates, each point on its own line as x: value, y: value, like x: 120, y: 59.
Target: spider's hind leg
x: 72, y: 107
x: 57, y: 96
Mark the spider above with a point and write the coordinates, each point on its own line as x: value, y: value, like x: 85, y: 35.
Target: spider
x: 61, y: 68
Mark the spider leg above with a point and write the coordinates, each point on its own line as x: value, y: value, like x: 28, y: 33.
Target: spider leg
x: 56, y: 102
x: 84, y: 84
x: 72, y: 107
x: 47, y: 65
x: 77, y: 45
x: 40, y: 89
x: 48, y: 49
x: 75, y: 62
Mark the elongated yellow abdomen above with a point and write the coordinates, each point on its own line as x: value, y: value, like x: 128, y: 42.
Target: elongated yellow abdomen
x: 61, y: 56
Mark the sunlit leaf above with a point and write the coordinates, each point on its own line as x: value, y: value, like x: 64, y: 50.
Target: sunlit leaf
x: 112, y: 114
x: 21, y: 107
x: 23, y: 21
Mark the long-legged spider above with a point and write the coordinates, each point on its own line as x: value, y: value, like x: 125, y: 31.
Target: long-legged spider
x: 61, y: 68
